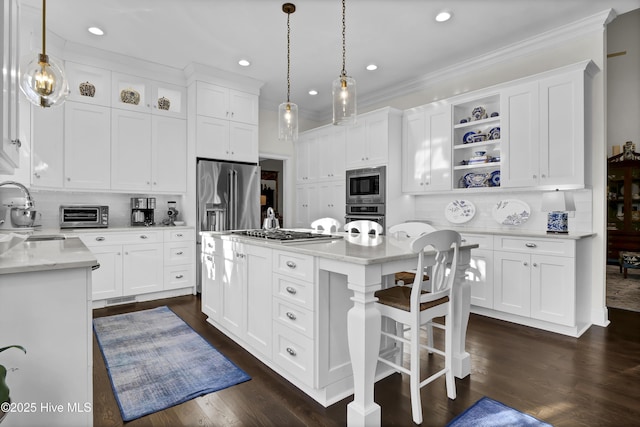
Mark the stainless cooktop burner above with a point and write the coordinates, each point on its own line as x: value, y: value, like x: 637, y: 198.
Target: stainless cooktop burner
x: 285, y: 236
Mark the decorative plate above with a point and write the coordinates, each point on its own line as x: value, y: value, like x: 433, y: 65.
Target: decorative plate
x: 459, y: 211
x: 511, y: 212
x: 472, y: 180
x: 494, y: 179
x: 468, y: 137
x: 494, y: 133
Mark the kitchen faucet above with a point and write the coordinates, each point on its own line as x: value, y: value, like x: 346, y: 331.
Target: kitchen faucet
x: 28, y: 201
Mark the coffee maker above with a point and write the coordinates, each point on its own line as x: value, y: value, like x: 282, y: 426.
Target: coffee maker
x: 142, y: 211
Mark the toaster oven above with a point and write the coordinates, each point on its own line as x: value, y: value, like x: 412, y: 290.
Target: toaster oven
x: 84, y: 216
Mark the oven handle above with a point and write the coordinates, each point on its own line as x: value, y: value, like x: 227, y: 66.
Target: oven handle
x: 355, y: 217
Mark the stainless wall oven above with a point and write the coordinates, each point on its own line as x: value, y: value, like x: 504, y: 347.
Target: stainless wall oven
x: 366, y: 185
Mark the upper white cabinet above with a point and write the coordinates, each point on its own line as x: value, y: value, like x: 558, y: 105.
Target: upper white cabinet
x: 226, y: 123
x: 168, y: 100
x: 130, y: 92
x: 87, y: 146
x: 367, y: 142
x: 168, y: 154
x: 11, y: 145
x: 426, y: 149
x: 320, y: 154
x: 87, y: 84
x: 47, y: 147
x: 224, y: 103
x: 544, y: 130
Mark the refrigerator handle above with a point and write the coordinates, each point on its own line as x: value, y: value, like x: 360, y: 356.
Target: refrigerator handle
x: 233, y: 200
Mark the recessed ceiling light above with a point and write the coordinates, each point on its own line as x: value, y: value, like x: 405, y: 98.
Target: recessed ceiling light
x: 372, y: 67
x: 443, y: 16
x: 313, y: 92
x: 244, y: 62
x: 95, y: 31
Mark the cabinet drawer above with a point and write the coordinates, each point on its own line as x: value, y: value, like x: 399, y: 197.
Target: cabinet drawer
x: 296, y: 318
x: 485, y: 241
x: 107, y: 238
x: 293, y: 352
x: 293, y: 290
x: 535, y: 245
x: 179, y: 235
x: 178, y: 253
x: 180, y: 276
x: 293, y: 265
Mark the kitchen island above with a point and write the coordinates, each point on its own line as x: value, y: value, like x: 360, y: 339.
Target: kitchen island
x: 307, y: 309
x: 45, y: 306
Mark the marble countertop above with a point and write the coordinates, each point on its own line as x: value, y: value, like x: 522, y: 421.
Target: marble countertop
x: 353, y: 248
x: 69, y: 232
x: 46, y: 255
x: 521, y: 233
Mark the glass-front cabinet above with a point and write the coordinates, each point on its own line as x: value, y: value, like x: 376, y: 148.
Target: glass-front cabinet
x: 623, y: 205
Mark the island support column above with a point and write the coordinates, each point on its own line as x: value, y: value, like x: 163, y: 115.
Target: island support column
x: 364, y: 324
x: 462, y: 298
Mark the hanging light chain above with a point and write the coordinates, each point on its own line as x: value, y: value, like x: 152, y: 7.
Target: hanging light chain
x: 44, y: 30
x: 288, y: 56
x: 344, y: 48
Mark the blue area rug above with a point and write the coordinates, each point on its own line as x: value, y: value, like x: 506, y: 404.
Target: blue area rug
x: 155, y: 361
x: 491, y: 413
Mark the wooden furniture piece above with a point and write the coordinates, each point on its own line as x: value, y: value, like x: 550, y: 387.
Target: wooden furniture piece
x: 416, y: 307
x: 364, y: 226
x: 623, y: 205
x: 629, y: 260
x: 326, y: 225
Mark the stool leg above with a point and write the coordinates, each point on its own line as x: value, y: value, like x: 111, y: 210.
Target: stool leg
x: 625, y: 273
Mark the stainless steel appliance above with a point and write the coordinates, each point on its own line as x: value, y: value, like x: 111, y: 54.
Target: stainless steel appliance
x: 372, y: 212
x: 281, y: 235
x: 366, y: 185
x: 84, y: 216
x: 142, y: 211
x: 228, y: 198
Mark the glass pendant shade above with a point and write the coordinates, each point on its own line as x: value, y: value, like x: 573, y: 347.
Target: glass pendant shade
x: 344, y: 101
x: 43, y: 82
x: 288, y: 122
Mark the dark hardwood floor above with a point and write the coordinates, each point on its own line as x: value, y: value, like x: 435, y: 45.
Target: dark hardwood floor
x: 590, y: 381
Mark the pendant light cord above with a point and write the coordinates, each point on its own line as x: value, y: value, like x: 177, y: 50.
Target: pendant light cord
x: 288, y: 56
x: 344, y: 48
x: 44, y: 28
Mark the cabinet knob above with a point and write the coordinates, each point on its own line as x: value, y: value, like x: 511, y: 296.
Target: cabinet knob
x: 291, y: 316
x: 291, y: 264
x: 530, y: 245
x: 291, y: 290
x: 16, y: 142
x: 179, y: 253
x: 68, y: 179
x: 535, y: 176
x: 543, y: 176
x: 535, y: 264
x: 99, y: 239
x: 525, y: 263
x: 291, y: 351
x: 142, y: 236
x: 37, y: 175
x: 179, y: 276
x: 126, y: 253
x: 179, y: 235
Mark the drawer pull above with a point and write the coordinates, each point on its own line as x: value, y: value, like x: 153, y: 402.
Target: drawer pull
x: 530, y: 245
x: 142, y: 236
x: 179, y: 276
x: 291, y: 290
x: 535, y: 264
x: 291, y: 351
x: 291, y: 264
x: 179, y: 235
x: 291, y: 316
x: 99, y: 239
x: 463, y: 240
x: 179, y: 253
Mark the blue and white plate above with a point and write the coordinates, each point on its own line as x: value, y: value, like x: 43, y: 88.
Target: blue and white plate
x: 511, y: 212
x: 494, y: 133
x: 494, y: 179
x: 459, y: 211
x: 468, y: 137
x: 473, y: 180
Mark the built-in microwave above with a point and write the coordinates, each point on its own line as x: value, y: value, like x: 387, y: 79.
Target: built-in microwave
x: 84, y: 216
x: 366, y: 185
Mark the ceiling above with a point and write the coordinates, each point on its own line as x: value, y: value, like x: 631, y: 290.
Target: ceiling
x: 400, y: 36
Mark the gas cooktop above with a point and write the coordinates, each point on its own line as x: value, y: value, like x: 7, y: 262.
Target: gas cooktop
x: 287, y: 236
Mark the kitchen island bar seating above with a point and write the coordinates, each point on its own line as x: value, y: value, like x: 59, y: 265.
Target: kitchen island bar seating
x: 414, y: 306
x: 326, y: 225
x: 364, y: 226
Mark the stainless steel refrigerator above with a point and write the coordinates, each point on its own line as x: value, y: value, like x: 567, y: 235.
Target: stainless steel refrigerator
x: 228, y: 198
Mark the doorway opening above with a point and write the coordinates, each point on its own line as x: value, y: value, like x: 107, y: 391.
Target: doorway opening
x: 274, y: 188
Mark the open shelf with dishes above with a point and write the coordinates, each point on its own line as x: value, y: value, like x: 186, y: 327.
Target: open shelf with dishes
x: 476, y: 143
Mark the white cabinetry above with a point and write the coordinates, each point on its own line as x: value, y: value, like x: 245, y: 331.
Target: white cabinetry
x: 212, y: 277
x: 480, y: 271
x: 9, y: 85
x: 426, y: 149
x: 87, y: 153
x: 226, y: 123
x: 179, y: 262
x: 536, y: 278
x: 95, y: 82
x: 545, y: 130
x: 367, y: 141
x: 47, y: 147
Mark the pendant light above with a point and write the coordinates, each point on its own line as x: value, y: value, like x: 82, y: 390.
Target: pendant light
x: 43, y: 82
x: 344, y: 88
x: 288, y: 111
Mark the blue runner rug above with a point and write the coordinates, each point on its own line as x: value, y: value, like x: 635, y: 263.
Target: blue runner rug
x: 155, y: 361
x: 491, y: 413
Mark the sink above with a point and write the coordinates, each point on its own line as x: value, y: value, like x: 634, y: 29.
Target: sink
x: 33, y: 238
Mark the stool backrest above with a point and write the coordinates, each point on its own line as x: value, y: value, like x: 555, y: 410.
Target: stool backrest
x: 411, y: 229
x: 363, y: 226
x: 326, y: 225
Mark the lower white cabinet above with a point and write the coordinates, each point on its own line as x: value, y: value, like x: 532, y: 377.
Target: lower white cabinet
x: 480, y: 271
x: 141, y: 262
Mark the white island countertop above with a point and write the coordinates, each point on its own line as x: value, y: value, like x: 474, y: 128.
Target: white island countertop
x: 46, y: 255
